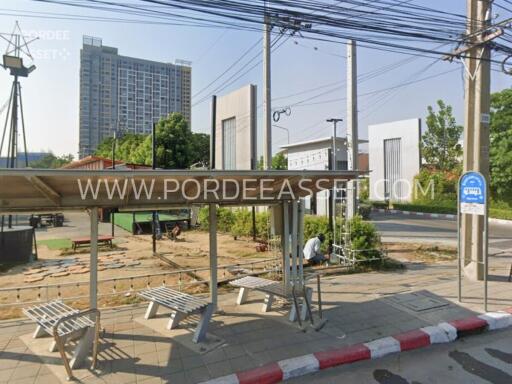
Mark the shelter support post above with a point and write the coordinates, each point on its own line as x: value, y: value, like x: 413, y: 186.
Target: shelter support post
x: 295, y: 214
x: 213, y: 254
x: 300, y: 239
x: 93, y: 280
x: 286, y: 244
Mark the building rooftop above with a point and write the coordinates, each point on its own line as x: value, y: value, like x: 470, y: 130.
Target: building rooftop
x: 340, y: 139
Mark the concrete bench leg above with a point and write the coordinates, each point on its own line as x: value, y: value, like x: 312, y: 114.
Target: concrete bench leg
x: 267, y: 303
x: 242, y: 296
x: 83, y: 348
x: 152, y: 310
x: 202, y: 326
x: 175, y: 319
x: 39, y: 332
x: 53, y: 346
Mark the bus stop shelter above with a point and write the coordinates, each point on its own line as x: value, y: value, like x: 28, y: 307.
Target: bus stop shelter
x: 37, y: 190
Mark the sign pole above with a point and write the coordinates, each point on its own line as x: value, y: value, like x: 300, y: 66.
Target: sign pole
x: 459, y: 261
x: 472, y: 199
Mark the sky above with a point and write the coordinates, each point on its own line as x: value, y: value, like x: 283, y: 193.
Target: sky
x: 51, y: 93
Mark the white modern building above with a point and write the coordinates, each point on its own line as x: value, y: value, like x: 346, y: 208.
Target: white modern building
x: 235, y: 130
x: 316, y: 155
x: 394, y: 159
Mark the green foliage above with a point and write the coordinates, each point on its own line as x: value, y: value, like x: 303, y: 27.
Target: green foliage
x: 313, y: 225
x: 126, y: 146
x: 50, y: 161
x: 363, y: 238
x: 501, y: 145
x: 432, y: 185
x: 440, y: 143
x: 279, y: 161
x: 200, y: 147
x: 177, y: 147
x: 364, y: 189
x: 238, y: 222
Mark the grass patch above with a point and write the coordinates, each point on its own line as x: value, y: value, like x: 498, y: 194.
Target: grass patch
x: 56, y: 244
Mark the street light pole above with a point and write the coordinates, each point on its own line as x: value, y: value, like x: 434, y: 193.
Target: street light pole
x: 284, y: 129
x: 335, y: 121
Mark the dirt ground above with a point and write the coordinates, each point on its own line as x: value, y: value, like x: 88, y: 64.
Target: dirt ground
x: 134, y: 253
x: 135, y: 262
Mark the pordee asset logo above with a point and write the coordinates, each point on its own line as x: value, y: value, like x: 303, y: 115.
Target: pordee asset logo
x: 193, y: 189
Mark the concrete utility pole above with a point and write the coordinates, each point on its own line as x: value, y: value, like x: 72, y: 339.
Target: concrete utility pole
x: 476, y: 127
x: 352, y: 134
x: 267, y: 107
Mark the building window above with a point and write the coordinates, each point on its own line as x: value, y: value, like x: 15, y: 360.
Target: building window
x: 229, y: 143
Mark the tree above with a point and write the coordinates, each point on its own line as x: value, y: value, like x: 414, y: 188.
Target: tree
x: 200, y: 148
x: 440, y: 143
x: 177, y: 147
x: 279, y: 161
x: 126, y: 146
x: 50, y: 161
x: 173, y: 144
x: 501, y: 145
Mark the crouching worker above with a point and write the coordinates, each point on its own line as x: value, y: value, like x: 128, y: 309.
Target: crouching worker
x: 312, y: 252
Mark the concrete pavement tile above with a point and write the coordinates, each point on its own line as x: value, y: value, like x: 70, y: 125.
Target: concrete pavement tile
x: 242, y: 363
x: 192, y: 362
x: 6, y: 374
x: 221, y: 368
x: 171, y: 367
x: 233, y: 351
x: 197, y: 375
x: 26, y: 380
x: 214, y: 356
x: 9, y: 363
x: 142, y: 348
x: 152, y: 380
x: 175, y: 378
x: 25, y: 371
x: 47, y: 379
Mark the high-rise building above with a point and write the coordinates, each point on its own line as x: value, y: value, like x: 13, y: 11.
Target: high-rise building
x: 120, y: 93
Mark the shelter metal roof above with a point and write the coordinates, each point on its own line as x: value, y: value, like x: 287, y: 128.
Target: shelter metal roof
x: 38, y: 190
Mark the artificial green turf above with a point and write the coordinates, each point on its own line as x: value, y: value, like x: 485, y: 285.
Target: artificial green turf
x: 125, y: 219
x: 56, y: 243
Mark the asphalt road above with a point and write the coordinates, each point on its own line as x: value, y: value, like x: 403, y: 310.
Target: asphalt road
x: 402, y: 228
x: 485, y: 358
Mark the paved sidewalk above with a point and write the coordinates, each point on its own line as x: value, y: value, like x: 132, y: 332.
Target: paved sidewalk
x: 359, y: 308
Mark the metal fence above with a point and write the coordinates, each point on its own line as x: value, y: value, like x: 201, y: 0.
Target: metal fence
x: 179, y: 279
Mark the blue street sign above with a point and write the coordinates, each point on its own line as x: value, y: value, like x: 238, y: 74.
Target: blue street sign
x: 472, y: 193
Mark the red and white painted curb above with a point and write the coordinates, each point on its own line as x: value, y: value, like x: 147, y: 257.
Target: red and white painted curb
x: 445, y: 332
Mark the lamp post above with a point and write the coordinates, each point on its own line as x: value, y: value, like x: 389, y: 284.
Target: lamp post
x: 285, y: 129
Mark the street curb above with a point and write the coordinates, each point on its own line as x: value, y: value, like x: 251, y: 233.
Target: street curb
x: 444, y: 332
x: 422, y: 214
x: 434, y: 215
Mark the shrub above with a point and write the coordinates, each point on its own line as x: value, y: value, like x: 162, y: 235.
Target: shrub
x: 364, y: 237
x: 444, y: 184
x: 364, y: 189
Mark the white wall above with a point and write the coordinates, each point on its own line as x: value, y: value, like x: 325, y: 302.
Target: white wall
x: 410, y: 132
x: 240, y: 104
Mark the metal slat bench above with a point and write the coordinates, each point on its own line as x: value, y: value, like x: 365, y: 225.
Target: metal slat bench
x: 182, y: 305
x: 65, y: 323
x: 270, y: 288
